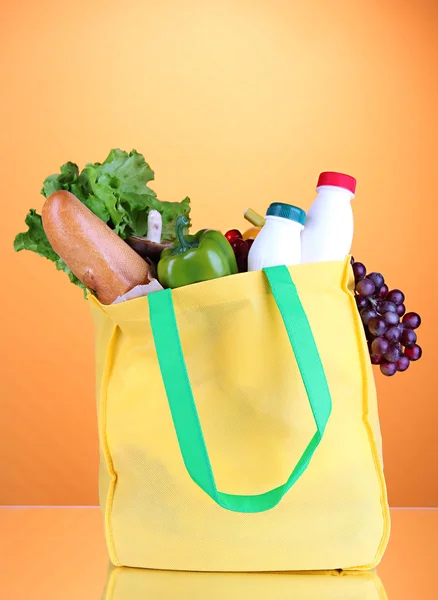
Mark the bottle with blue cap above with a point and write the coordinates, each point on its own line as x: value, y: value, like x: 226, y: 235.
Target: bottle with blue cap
x: 279, y: 241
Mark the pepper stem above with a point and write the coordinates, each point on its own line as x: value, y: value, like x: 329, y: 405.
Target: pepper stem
x: 181, y: 223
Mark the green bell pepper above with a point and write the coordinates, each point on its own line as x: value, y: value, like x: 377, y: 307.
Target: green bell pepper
x: 194, y: 258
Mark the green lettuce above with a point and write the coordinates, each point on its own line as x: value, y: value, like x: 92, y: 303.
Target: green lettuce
x: 116, y: 191
x: 35, y: 239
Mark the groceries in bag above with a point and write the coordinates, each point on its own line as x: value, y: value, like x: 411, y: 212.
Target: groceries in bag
x: 139, y: 291
x: 253, y: 217
x: 194, y: 258
x: 150, y: 246
x: 328, y: 232
x: 107, y: 230
x: 392, y: 341
x: 279, y: 241
x: 241, y: 242
x: 97, y: 256
x: 117, y: 191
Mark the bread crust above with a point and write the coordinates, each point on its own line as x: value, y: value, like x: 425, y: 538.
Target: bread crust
x: 96, y: 255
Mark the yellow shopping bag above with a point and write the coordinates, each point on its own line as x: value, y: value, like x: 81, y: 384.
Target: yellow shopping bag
x: 238, y: 426
x: 141, y: 584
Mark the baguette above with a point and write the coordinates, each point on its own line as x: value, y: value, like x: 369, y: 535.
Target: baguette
x: 95, y: 254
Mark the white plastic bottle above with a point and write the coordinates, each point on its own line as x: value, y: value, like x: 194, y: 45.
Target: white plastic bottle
x: 328, y: 231
x: 279, y: 241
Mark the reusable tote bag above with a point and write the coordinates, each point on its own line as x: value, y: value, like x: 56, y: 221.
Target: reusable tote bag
x: 238, y: 426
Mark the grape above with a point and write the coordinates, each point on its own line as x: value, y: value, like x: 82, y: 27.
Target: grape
x: 366, y: 314
x: 408, y: 338
x: 365, y: 287
x: 411, y: 320
x: 384, y: 306
x: 393, y: 354
x: 359, y: 271
x: 401, y: 309
x: 377, y: 279
x: 403, y: 363
x: 370, y: 337
x: 391, y: 318
x: 241, y: 250
x: 388, y: 368
x: 391, y: 344
x: 394, y: 333
x: 379, y: 346
x: 377, y: 326
x: 414, y: 353
x: 396, y: 296
x: 361, y: 301
x: 239, y: 246
x: 383, y: 291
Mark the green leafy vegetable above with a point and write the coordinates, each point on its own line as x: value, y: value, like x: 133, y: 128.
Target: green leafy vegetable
x: 116, y: 191
x: 36, y: 240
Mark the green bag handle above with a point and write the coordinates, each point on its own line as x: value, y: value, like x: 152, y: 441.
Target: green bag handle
x: 182, y: 404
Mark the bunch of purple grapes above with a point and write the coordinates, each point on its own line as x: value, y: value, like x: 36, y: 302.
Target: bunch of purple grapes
x: 389, y: 329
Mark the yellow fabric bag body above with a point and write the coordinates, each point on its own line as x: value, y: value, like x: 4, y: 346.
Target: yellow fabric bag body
x: 141, y: 584
x: 257, y: 421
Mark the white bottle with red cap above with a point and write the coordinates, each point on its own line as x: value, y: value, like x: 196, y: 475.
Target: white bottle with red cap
x: 328, y: 231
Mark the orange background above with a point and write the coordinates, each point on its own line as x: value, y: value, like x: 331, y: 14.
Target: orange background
x: 234, y: 103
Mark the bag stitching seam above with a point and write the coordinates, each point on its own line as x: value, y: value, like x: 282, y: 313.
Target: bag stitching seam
x: 370, y: 433
x: 105, y: 446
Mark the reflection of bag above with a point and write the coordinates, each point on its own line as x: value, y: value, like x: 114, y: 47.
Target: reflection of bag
x: 140, y: 584
x: 287, y: 499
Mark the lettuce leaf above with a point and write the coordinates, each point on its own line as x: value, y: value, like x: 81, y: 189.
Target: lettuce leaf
x: 116, y: 191
x: 35, y: 239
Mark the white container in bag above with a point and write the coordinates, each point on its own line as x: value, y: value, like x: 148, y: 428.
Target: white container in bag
x: 328, y: 231
x: 279, y: 241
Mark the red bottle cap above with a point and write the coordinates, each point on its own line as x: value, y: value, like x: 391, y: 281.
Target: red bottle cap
x: 337, y: 179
